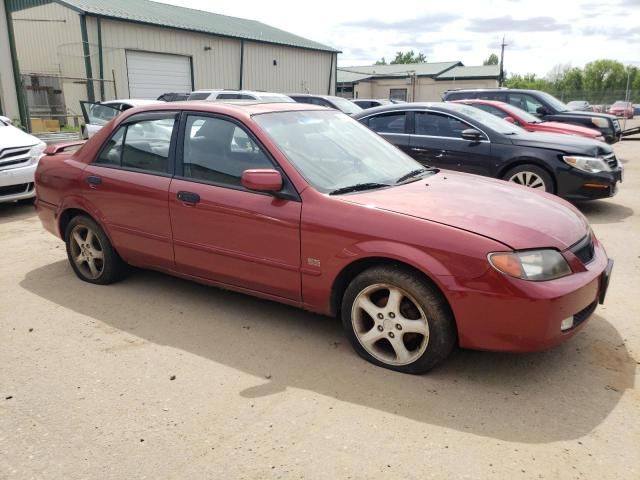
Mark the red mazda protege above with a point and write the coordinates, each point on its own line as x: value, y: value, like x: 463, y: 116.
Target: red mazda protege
x: 303, y: 205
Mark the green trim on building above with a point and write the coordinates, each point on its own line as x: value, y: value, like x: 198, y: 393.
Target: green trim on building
x: 22, y: 104
x: 87, y: 58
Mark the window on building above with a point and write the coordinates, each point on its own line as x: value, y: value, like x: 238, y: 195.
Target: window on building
x: 398, y: 94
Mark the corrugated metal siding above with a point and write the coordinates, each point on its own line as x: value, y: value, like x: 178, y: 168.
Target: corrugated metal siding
x: 296, y: 70
x: 218, y: 67
x: 48, y: 40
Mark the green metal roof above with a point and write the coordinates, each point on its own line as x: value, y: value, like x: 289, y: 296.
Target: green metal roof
x: 460, y: 73
x: 154, y: 13
x: 355, y: 74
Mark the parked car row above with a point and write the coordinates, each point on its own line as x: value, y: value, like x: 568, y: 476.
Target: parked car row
x: 315, y: 210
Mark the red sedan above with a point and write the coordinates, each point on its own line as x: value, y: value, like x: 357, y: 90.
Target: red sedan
x: 303, y: 205
x: 621, y: 109
x: 530, y: 122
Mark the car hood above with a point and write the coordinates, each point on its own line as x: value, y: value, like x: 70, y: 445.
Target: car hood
x: 11, y: 137
x: 562, y: 143
x: 582, y: 113
x: 516, y: 216
x: 568, y: 128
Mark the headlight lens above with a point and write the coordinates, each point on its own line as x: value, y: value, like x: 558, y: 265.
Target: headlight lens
x: 587, y: 164
x: 535, y: 265
x: 37, y: 151
x: 600, y: 122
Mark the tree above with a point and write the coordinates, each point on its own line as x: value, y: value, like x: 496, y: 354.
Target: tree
x: 382, y: 61
x: 492, y: 60
x: 409, y: 57
x: 604, y: 75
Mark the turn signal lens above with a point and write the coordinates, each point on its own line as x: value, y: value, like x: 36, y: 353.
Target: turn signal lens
x: 508, y: 263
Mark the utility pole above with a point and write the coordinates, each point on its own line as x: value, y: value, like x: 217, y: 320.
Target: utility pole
x: 501, y: 79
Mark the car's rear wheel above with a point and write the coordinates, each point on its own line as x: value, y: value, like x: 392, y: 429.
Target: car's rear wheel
x: 90, y: 252
x: 531, y: 176
x: 397, y: 320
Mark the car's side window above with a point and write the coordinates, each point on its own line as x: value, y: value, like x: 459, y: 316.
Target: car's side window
x: 492, y: 110
x: 218, y: 151
x: 111, y: 152
x: 524, y: 102
x: 141, y: 146
x: 439, y: 125
x: 229, y: 96
x: 394, y: 122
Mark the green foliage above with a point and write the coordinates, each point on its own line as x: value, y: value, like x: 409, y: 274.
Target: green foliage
x: 382, y: 61
x: 601, y: 81
x: 404, y: 57
x: 492, y: 60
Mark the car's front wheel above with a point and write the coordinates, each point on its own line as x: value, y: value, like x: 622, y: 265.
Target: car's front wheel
x: 531, y: 176
x: 397, y: 320
x: 90, y: 252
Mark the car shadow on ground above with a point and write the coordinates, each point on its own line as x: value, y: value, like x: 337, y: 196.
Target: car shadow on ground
x: 535, y: 398
x: 14, y: 212
x: 603, y: 212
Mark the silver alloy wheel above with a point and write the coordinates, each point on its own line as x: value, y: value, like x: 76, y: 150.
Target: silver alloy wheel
x: 86, y: 251
x: 528, y: 179
x: 389, y: 324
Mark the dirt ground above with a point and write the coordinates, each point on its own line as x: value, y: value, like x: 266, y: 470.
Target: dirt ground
x: 157, y: 377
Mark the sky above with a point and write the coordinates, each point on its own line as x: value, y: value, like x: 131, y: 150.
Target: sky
x: 540, y: 33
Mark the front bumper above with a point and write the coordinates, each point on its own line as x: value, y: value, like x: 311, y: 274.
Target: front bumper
x: 17, y: 183
x: 499, y: 313
x: 576, y: 185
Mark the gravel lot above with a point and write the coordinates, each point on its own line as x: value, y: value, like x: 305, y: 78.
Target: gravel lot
x: 157, y: 377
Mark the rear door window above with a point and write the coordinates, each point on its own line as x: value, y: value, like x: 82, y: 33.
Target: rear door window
x: 394, y: 122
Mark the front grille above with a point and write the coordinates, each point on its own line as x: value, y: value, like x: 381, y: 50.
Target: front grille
x: 584, y: 249
x: 10, y: 157
x: 15, y: 189
x: 583, y: 314
x: 611, y: 160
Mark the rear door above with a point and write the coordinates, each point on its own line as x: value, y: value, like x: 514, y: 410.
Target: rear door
x: 438, y: 141
x: 221, y: 231
x: 393, y: 127
x: 128, y: 184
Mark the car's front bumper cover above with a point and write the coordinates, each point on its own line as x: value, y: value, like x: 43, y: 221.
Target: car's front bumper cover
x: 17, y: 183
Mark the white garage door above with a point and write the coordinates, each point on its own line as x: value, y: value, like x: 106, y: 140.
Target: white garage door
x: 152, y: 74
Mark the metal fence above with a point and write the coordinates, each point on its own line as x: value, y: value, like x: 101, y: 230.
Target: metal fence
x: 602, y: 98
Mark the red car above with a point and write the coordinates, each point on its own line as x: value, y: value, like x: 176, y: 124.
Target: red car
x: 621, y: 109
x: 530, y: 122
x: 303, y: 205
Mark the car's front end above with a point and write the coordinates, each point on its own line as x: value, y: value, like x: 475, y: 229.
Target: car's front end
x: 19, y: 156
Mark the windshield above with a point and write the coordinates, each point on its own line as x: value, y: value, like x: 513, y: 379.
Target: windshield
x: 487, y: 119
x: 332, y: 151
x: 554, y: 102
x: 347, y: 106
x: 275, y: 99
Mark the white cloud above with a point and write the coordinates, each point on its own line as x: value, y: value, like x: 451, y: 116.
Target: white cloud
x: 540, y: 34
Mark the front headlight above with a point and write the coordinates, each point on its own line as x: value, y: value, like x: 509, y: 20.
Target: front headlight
x: 587, y: 164
x: 36, y: 152
x: 535, y: 265
x: 600, y: 122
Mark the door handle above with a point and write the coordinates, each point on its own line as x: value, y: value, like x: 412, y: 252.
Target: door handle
x: 416, y: 149
x: 189, y: 197
x: 94, y: 180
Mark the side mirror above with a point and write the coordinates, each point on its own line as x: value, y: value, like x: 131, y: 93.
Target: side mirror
x: 542, y: 111
x: 510, y: 120
x: 471, y: 134
x: 263, y: 180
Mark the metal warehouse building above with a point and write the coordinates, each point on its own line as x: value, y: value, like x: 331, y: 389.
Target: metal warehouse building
x: 54, y: 53
x: 413, y: 82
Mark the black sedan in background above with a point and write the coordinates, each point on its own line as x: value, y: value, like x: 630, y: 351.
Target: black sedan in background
x: 464, y: 138
x: 337, y: 103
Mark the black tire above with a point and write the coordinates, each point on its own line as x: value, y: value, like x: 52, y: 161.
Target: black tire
x: 541, y: 173
x: 111, y: 267
x: 430, y: 349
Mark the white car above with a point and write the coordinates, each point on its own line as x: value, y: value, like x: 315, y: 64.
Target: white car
x: 98, y: 114
x: 19, y: 156
x: 222, y: 95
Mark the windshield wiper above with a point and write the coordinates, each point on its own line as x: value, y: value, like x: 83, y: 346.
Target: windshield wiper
x: 417, y: 172
x: 358, y: 187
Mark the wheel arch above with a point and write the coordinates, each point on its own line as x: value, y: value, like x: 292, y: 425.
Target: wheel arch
x: 519, y: 161
x: 353, y: 269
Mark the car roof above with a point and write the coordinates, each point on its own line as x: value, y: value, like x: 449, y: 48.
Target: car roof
x: 369, y: 99
x: 135, y: 102
x: 442, y: 106
x: 313, y: 95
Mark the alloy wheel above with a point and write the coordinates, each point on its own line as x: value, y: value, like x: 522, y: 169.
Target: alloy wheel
x: 87, y: 251
x: 528, y: 179
x: 390, y: 324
